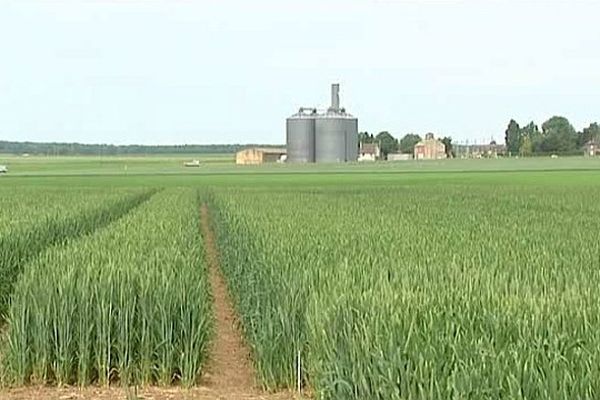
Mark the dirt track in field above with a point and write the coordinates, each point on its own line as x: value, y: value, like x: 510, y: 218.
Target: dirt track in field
x: 229, y: 365
x: 153, y: 393
x: 229, y: 374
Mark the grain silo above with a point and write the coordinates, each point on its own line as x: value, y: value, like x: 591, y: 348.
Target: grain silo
x: 300, y: 136
x: 330, y: 138
x: 322, y: 136
x: 351, y: 138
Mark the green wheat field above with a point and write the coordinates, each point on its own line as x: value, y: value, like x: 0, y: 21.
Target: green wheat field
x: 454, y: 279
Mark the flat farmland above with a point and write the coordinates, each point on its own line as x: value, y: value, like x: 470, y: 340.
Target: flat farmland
x: 463, y: 279
x: 224, y: 164
x: 114, y: 165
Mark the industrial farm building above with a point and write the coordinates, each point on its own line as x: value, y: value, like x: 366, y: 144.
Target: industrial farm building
x: 255, y: 155
x: 322, y: 136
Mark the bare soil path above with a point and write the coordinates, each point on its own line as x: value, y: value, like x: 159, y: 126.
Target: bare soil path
x: 229, y: 374
x: 229, y: 366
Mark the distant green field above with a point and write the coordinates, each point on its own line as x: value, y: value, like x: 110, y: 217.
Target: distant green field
x: 220, y: 171
x: 224, y: 164
x: 115, y: 165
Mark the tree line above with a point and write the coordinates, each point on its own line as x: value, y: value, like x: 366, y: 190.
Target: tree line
x: 389, y: 144
x: 68, y: 149
x: 557, y: 136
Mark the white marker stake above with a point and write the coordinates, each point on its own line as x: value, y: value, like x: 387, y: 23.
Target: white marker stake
x: 299, y: 373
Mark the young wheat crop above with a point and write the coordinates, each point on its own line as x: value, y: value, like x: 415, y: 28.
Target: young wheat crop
x: 419, y: 292
x: 129, y: 303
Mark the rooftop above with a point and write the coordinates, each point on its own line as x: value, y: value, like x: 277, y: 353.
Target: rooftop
x: 268, y: 150
x: 369, y: 148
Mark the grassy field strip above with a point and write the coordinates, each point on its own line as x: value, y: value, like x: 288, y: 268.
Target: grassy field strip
x: 224, y: 165
x: 94, y: 164
x: 33, y: 221
x: 448, y: 291
x: 128, y: 304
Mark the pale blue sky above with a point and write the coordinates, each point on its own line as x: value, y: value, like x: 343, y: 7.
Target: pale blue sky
x: 166, y: 72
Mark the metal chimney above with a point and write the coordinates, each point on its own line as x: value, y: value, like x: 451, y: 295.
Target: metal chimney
x: 335, y: 97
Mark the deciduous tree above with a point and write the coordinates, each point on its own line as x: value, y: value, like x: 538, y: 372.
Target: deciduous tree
x: 365, y: 137
x: 512, y: 137
x: 408, y: 142
x: 447, y: 140
x: 558, y: 136
x: 591, y: 133
x: 388, y: 143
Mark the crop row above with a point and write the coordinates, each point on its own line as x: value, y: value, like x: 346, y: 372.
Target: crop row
x: 32, y: 220
x: 129, y: 303
x: 418, y: 292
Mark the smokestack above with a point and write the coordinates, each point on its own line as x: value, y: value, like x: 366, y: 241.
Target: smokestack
x: 335, y: 97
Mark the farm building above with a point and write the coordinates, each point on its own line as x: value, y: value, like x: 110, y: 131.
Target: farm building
x: 399, y: 156
x: 491, y: 150
x: 259, y: 156
x: 591, y: 148
x: 369, y: 152
x: 430, y: 148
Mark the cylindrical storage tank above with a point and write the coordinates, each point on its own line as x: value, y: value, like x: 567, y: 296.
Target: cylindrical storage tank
x: 351, y: 139
x: 330, y: 139
x: 300, y: 138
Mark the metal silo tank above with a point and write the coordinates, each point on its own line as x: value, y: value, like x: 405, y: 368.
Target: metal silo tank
x: 330, y: 138
x: 351, y: 139
x: 300, y: 138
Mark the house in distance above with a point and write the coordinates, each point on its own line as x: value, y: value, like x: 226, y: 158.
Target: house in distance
x: 591, y: 148
x: 430, y: 148
x: 369, y: 152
